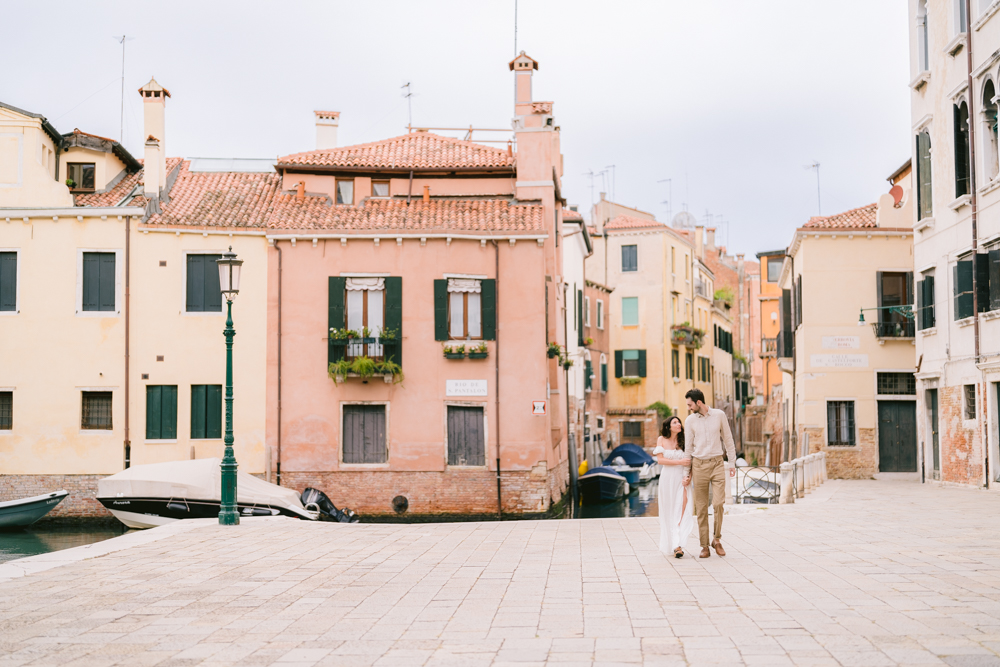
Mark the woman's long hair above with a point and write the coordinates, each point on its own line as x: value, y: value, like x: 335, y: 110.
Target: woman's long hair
x: 665, y: 431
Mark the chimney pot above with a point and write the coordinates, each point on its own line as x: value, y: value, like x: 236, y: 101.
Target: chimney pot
x: 300, y: 190
x: 327, y: 123
x: 427, y: 193
x: 154, y: 98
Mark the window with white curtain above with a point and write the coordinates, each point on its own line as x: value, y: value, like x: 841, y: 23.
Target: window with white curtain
x: 465, y: 316
x: 365, y: 309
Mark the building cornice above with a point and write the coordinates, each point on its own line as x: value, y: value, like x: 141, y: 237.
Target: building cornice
x: 78, y: 212
x: 850, y: 233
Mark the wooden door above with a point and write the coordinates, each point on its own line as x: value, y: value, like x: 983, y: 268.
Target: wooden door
x: 897, y: 436
x: 364, y: 434
x: 932, y: 406
x: 466, y: 436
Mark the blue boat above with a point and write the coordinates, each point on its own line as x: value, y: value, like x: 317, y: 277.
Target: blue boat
x: 602, y: 485
x: 629, y: 461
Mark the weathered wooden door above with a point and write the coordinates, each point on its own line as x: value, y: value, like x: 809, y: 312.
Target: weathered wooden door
x: 466, y: 436
x: 897, y: 436
x: 364, y: 434
x: 932, y: 408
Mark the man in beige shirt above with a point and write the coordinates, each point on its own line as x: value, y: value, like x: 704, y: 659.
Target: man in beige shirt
x: 705, y: 431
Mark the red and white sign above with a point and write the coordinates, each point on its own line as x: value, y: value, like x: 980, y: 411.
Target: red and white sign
x: 538, y: 407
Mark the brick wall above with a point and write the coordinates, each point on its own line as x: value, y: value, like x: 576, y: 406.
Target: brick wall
x: 650, y: 420
x: 81, y: 501
x: 858, y: 462
x: 961, y: 446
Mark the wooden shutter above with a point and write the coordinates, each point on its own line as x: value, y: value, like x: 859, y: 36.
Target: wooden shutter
x: 579, y: 317
x: 963, y: 289
x: 213, y: 411
x: 8, y: 281
x: 466, y: 438
x: 488, y: 303
x: 930, y: 316
x: 154, y: 401
x: 994, y: 277
x: 924, y: 203
x: 335, y: 318
x: 107, y: 290
x: 619, y: 364
x: 908, y: 297
x: 198, y: 404
x: 982, y: 267
x: 212, y: 287
x: 642, y: 363
x: 786, y: 324
x: 441, y: 310
x: 196, y: 283
x: 91, y: 281
x: 588, y: 370
x: 604, y: 377
x: 168, y: 410
x: 394, y: 317
x: 879, y: 280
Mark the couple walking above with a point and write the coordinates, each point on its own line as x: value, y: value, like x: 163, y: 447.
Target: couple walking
x: 691, y: 456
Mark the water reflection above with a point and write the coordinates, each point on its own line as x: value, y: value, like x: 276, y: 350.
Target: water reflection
x: 640, y: 502
x: 41, y: 539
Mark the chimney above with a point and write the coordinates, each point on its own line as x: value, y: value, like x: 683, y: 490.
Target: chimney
x: 699, y: 242
x: 154, y: 100
x: 427, y: 193
x: 300, y: 190
x: 523, y: 66
x: 326, y: 129
x: 710, y: 233
x: 602, y: 196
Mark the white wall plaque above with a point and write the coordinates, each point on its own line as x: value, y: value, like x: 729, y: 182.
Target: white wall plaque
x: 838, y: 360
x: 841, y: 342
x: 465, y: 388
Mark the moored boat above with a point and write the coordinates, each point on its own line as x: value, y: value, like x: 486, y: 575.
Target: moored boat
x: 602, y: 485
x: 632, y: 462
x: 26, y: 511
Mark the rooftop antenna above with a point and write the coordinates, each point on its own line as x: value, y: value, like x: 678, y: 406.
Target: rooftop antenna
x: 121, y: 120
x: 515, y: 28
x: 613, y: 193
x: 409, y: 105
x: 590, y: 173
x: 670, y: 197
x: 815, y: 165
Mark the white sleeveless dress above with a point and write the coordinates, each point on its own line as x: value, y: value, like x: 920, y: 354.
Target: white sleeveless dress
x: 676, y: 518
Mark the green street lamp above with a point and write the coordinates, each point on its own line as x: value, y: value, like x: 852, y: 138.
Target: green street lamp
x: 229, y: 283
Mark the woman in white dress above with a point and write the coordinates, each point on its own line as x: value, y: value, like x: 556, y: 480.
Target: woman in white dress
x: 674, y: 499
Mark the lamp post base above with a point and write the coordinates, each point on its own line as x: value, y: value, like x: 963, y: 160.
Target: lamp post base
x: 229, y: 518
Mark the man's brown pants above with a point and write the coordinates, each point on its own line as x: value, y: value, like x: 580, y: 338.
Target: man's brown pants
x: 704, y: 471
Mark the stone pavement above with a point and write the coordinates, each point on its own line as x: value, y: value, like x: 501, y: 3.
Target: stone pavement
x: 859, y: 573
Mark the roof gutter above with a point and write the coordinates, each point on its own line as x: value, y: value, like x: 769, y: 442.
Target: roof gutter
x: 71, y: 212
x: 309, y: 168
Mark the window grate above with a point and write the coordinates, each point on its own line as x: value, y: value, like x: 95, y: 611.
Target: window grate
x: 6, y: 410
x: 96, y: 410
x: 970, y: 401
x: 897, y: 384
x: 840, y: 423
x: 632, y: 430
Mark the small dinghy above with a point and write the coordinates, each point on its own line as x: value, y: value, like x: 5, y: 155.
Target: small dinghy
x: 151, y: 495
x: 602, y: 485
x: 633, y: 463
x: 26, y: 511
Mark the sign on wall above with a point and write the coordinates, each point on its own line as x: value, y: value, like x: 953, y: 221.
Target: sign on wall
x: 838, y: 360
x: 538, y: 408
x: 465, y: 388
x: 841, y: 342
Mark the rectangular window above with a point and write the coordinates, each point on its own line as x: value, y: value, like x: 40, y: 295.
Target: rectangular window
x: 365, y: 298
x: 895, y: 290
x: 963, y: 289
x: 206, y: 411
x: 673, y: 260
x: 904, y: 384
x: 161, y: 412
x: 8, y: 281
x: 600, y: 314
x: 630, y: 311
x: 924, y: 204
x: 840, y: 423
x: 969, y: 392
x: 675, y: 363
x: 960, y: 114
x: 6, y: 410
x: 925, y: 303
x: 630, y: 361
x: 365, y: 434
x: 992, y: 278
x: 466, y: 436
x: 99, y: 281
x: 380, y: 188
x: 96, y: 413
x: 203, y: 290
x: 465, y: 316
x: 604, y: 374
x: 689, y: 366
x: 345, y: 192
x: 630, y: 258
x: 588, y: 375
x: 80, y: 175
x: 774, y: 265
x: 631, y: 431
x: 586, y: 311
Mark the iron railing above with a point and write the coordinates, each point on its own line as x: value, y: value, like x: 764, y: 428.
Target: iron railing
x: 769, y: 347
x: 758, y: 485
x: 894, y: 329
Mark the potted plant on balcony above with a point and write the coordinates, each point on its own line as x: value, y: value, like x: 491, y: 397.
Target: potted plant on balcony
x: 363, y: 367
x: 454, y: 351
x: 390, y: 370
x: 685, y: 334
x: 338, y: 370
x: 588, y: 341
x: 554, y: 350
x: 70, y: 183
x: 480, y: 351
x: 388, y: 335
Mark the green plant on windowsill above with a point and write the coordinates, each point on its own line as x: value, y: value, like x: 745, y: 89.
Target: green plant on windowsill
x: 70, y: 183
x: 338, y: 370
x: 588, y: 341
x: 726, y: 295
x: 554, y: 350
x: 454, y: 351
x: 388, y: 335
x: 366, y: 332
x: 390, y: 367
x: 629, y: 381
x: 363, y: 367
x: 480, y: 351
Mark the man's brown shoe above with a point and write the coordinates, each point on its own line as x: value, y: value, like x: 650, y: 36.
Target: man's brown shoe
x: 705, y: 553
x: 718, y: 548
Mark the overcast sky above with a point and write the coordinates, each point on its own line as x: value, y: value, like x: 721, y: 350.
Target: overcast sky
x: 729, y: 99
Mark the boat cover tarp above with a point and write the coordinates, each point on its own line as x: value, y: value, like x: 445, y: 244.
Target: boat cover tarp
x: 197, y: 479
x: 634, y: 455
x: 602, y: 469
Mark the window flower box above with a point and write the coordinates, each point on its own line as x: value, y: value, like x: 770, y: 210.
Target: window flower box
x: 686, y: 335
x: 454, y: 351
x: 478, y: 355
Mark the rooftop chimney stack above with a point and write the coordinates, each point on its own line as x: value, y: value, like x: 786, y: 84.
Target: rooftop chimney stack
x: 327, y: 123
x: 154, y: 101
x: 710, y: 233
x: 523, y: 67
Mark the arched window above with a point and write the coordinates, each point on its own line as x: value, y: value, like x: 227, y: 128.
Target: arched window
x: 924, y: 205
x: 604, y: 373
x: 923, y: 54
x: 961, y: 129
x: 990, y: 130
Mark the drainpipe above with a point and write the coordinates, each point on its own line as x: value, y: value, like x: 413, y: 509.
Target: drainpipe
x: 278, y: 463
x: 409, y: 192
x: 571, y: 450
x: 128, y: 234
x: 794, y: 437
x: 496, y: 364
x: 973, y: 203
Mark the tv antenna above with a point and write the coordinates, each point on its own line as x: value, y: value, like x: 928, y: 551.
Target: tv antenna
x: 590, y: 174
x: 409, y: 103
x: 613, y: 193
x: 670, y: 197
x: 121, y: 120
x: 815, y: 165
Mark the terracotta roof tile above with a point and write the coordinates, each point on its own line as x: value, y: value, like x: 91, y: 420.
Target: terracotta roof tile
x: 417, y: 150
x: 122, y: 188
x: 219, y: 199
x: 629, y: 222
x: 481, y: 215
x: 570, y: 215
x: 862, y: 217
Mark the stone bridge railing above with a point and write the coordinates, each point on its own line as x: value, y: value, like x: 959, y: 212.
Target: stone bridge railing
x: 800, y: 476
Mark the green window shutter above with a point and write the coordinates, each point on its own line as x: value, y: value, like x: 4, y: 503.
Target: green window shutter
x: 878, y: 295
x: 91, y: 281
x: 107, y: 290
x: 441, y: 310
x: 153, y: 412
x: 8, y: 281
x: 982, y: 266
x: 195, y: 283
x: 588, y: 370
x: 336, y: 318
x: 213, y: 411
x: 994, y: 259
x: 168, y: 410
x: 488, y: 301
x: 604, y: 377
x: 963, y: 289
x: 619, y: 364
x: 198, y: 411
x: 579, y: 317
x: 394, y: 316
x: 642, y: 363
x: 213, y: 289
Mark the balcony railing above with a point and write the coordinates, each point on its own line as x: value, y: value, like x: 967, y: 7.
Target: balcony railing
x: 894, y: 329
x: 769, y: 347
x: 701, y: 289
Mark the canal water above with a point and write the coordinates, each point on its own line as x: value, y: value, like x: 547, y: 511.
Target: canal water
x: 641, y: 502
x: 45, y: 537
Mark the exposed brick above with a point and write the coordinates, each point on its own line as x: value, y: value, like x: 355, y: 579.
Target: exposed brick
x: 81, y: 501
x: 959, y: 439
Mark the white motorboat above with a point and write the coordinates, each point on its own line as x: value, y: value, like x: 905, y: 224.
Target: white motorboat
x: 26, y: 511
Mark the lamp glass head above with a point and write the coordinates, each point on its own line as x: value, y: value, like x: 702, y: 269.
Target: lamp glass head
x: 229, y: 274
